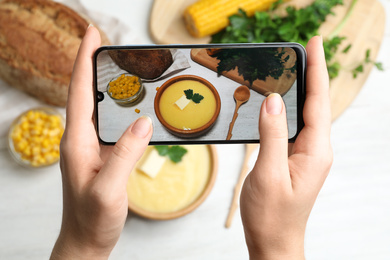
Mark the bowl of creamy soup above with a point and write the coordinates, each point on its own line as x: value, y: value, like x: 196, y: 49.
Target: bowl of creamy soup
x: 160, y: 189
x: 187, y: 105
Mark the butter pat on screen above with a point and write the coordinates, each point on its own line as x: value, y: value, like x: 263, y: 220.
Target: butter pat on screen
x: 182, y: 102
x: 176, y: 185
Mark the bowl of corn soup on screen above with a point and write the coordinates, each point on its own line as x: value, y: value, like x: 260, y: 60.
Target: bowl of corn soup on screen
x: 187, y: 105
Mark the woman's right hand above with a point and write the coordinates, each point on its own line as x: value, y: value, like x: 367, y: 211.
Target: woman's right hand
x: 280, y: 191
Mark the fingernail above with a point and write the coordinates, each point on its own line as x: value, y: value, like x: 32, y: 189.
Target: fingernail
x: 141, y: 127
x: 90, y: 25
x: 273, y: 104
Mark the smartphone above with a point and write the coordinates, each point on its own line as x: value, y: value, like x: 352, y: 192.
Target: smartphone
x: 196, y: 94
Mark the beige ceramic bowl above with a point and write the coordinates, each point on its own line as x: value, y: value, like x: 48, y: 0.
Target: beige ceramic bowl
x: 191, y: 207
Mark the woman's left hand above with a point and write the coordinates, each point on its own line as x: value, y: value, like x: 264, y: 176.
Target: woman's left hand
x: 94, y: 177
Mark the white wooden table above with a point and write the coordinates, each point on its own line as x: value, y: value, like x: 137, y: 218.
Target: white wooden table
x: 351, y: 218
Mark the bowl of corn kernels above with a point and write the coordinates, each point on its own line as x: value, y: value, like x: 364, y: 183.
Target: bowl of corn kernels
x: 34, y: 137
x: 125, y: 89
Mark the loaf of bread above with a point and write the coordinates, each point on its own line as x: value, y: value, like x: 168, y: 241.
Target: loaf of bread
x: 146, y: 64
x: 39, y: 40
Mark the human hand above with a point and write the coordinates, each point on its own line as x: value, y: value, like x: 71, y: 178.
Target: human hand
x: 94, y: 177
x: 280, y: 191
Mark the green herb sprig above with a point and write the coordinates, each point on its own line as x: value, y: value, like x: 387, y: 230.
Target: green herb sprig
x: 175, y: 152
x: 360, y: 68
x: 196, y: 97
x: 298, y: 25
x: 330, y: 48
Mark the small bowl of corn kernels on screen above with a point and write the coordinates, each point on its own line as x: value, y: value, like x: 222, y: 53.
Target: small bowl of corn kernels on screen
x: 34, y: 137
x: 125, y: 89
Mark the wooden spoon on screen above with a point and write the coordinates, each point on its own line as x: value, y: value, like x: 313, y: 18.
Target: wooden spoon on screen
x: 241, y: 95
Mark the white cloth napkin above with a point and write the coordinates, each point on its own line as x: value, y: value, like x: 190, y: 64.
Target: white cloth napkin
x: 13, y: 102
x: 107, y: 69
x: 117, y: 32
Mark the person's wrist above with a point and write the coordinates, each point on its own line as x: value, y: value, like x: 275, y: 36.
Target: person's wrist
x: 272, y: 254
x: 276, y: 247
x: 68, y: 248
x: 277, y: 256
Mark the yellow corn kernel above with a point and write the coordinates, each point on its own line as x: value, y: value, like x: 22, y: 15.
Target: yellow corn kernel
x: 24, y: 126
x: 45, y: 143
x: 207, y: 17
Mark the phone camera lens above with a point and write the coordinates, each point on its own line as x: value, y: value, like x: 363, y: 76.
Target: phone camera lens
x: 100, y: 96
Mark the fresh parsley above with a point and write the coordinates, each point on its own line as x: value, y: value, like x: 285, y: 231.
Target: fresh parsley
x: 196, y: 97
x: 330, y: 48
x: 298, y: 25
x: 360, y: 68
x: 346, y: 49
x: 189, y: 93
x: 175, y: 152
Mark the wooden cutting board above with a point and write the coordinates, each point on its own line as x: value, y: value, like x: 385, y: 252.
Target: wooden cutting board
x: 264, y: 87
x: 364, y: 30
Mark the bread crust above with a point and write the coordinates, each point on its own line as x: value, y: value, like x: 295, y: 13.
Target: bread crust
x: 39, y: 40
x: 147, y: 64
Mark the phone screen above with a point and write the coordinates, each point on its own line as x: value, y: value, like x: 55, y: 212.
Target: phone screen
x: 198, y: 94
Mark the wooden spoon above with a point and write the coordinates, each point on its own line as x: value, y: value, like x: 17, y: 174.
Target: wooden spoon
x: 249, y: 148
x: 241, y: 95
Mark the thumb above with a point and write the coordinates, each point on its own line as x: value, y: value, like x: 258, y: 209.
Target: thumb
x: 126, y: 152
x: 273, y: 131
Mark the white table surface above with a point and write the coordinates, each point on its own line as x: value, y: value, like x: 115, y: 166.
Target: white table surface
x: 350, y: 220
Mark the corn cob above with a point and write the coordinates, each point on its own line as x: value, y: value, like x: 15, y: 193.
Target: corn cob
x: 206, y: 17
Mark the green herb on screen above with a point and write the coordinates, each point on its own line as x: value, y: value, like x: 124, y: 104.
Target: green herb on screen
x: 195, y: 97
x: 254, y: 64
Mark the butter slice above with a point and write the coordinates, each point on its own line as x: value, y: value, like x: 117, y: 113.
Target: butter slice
x: 152, y: 164
x: 182, y: 102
